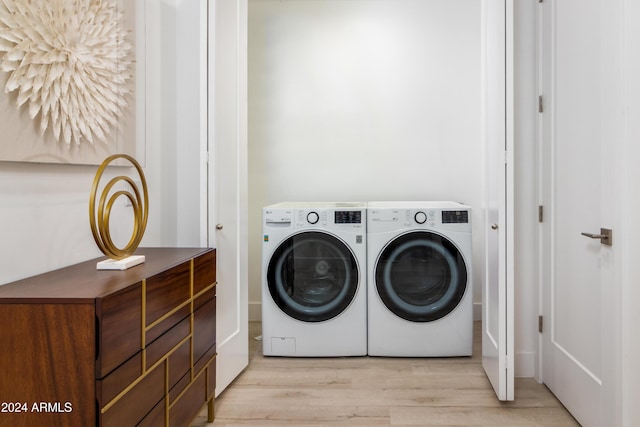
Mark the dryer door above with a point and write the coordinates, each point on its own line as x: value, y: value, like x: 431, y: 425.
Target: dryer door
x: 313, y: 276
x: 421, y: 276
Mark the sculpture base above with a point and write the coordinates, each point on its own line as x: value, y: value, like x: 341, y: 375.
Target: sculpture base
x: 120, y: 264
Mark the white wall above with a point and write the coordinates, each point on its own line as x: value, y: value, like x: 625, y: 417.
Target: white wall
x: 364, y: 100
x: 44, y: 222
x: 176, y: 117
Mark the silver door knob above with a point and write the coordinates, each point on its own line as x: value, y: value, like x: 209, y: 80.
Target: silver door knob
x: 494, y: 226
x: 219, y: 227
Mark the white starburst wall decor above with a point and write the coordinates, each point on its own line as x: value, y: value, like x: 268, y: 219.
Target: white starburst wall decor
x: 68, y: 79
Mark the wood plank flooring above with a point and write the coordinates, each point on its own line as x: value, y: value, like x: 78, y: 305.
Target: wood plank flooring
x: 375, y: 391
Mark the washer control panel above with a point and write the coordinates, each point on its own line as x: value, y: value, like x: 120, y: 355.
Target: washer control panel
x: 387, y: 217
x: 353, y: 218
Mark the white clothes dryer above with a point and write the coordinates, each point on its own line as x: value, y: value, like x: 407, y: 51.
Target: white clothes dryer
x: 314, y: 300
x: 420, y: 301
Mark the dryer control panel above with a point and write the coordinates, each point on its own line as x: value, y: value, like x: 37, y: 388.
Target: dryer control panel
x: 390, y: 218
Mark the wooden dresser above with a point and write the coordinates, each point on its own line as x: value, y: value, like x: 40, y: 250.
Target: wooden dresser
x: 81, y: 347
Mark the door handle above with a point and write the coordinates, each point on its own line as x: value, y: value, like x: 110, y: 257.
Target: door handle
x: 219, y: 227
x: 605, y: 236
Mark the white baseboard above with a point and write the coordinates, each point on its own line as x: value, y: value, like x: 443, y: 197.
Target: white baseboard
x: 525, y: 365
x: 255, y: 311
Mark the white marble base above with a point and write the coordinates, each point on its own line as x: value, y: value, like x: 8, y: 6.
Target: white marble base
x: 120, y: 264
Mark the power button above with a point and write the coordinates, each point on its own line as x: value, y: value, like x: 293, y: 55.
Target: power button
x: 313, y: 217
x: 420, y: 217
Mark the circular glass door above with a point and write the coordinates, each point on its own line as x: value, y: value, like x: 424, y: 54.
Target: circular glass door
x: 312, y: 276
x: 421, y: 276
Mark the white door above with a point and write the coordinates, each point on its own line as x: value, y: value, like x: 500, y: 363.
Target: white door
x: 497, y: 292
x: 228, y: 182
x: 581, y: 105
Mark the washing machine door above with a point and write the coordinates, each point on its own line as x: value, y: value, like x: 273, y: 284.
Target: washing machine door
x: 421, y: 276
x: 313, y: 276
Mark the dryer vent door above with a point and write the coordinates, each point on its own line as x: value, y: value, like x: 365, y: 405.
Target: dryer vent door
x: 421, y: 276
x: 313, y: 276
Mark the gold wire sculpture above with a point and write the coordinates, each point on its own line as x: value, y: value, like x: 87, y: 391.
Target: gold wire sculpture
x: 100, y: 222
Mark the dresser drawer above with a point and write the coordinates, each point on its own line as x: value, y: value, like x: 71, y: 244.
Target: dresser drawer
x: 119, y: 328
x: 188, y: 405
x: 155, y: 418
x: 131, y: 408
x: 167, y: 342
x: 179, y: 370
x: 204, y: 274
x: 204, y: 329
x: 118, y: 380
x: 165, y: 293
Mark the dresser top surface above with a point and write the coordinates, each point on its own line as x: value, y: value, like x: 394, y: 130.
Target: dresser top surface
x: 83, y: 282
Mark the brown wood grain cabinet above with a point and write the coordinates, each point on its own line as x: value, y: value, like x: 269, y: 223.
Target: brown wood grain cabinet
x: 82, y: 347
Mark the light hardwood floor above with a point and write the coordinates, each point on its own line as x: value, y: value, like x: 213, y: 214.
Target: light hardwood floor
x: 372, y: 391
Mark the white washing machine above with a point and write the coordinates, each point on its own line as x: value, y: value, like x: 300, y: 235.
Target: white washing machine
x: 420, y: 301
x: 314, y: 299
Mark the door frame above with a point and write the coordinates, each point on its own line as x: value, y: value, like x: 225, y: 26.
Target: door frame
x: 503, y: 119
x: 630, y: 153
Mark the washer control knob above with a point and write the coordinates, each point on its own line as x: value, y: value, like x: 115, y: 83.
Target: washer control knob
x: 313, y: 217
x: 420, y: 217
